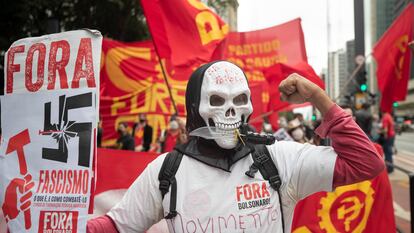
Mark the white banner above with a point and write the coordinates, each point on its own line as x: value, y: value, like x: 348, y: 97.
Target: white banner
x: 67, y: 60
x: 49, y: 118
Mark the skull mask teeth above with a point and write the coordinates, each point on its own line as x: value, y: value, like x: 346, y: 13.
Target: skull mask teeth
x: 225, y: 100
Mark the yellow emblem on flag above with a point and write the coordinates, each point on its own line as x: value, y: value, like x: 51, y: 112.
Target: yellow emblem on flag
x: 347, y: 208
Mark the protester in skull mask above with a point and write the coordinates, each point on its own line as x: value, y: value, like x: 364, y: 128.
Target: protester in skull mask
x: 125, y: 140
x: 211, y: 183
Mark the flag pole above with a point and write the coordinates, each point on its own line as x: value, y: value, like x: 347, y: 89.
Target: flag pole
x: 352, y: 78
x: 166, y: 80
x: 263, y: 115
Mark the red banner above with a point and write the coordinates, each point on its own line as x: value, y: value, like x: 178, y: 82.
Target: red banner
x: 187, y: 32
x: 394, y: 58
x: 127, y: 164
x: 131, y: 83
x: 257, y: 50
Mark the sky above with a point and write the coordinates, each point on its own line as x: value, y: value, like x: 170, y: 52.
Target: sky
x: 259, y: 14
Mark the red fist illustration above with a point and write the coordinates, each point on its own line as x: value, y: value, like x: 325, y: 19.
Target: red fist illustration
x: 12, y: 205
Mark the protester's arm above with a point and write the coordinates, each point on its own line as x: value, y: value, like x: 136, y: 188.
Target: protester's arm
x: 103, y: 224
x: 141, y: 206
x: 356, y: 159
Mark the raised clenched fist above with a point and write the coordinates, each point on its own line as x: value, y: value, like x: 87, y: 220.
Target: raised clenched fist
x: 297, y: 89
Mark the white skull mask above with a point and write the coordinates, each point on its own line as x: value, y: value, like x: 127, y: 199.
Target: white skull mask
x: 225, y: 100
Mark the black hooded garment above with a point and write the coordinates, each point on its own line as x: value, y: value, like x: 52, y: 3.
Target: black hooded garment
x: 203, y: 150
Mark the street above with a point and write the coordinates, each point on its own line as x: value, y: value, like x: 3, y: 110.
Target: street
x: 404, y: 158
x: 405, y: 144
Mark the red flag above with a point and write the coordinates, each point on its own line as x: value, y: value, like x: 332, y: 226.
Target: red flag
x: 276, y: 73
x: 394, y: 58
x: 363, y: 207
x: 185, y: 31
x: 156, y: 27
x: 255, y: 51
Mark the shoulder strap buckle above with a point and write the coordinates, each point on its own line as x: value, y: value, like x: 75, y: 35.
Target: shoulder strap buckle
x: 171, y: 214
x: 262, y: 157
x: 275, y: 182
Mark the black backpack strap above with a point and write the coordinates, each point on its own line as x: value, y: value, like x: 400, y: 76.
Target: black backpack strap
x: 263, y: 162
x: 167, y: 177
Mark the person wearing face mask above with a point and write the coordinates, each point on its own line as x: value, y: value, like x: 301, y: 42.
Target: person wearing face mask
x: 296, y: 131
x: 170, y: 137
x: 308, y: 131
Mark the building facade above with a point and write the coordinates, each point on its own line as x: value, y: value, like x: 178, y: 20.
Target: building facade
x: 337, y: 74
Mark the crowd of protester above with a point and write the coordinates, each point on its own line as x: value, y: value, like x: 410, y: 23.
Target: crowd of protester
x: 139, y: 135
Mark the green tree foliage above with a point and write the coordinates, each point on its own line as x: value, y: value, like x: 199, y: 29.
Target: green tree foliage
x: 118, y: 19
x: 220, y: 6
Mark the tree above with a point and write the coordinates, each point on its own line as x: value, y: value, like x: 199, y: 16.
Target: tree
x: 220, y: 6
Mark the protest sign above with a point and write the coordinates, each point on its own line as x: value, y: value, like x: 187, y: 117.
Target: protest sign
x: 49, y: 118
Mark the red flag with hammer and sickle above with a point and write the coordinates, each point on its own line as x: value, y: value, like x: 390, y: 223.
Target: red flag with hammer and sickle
x: 393, y: 57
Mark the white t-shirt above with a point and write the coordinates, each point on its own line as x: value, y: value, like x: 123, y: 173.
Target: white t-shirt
x: 213, y: 200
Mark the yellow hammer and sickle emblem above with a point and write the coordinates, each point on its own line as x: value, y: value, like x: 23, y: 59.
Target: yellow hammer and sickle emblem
x: 401, y: 44
x: 359, y: 208
x: 355, y: 209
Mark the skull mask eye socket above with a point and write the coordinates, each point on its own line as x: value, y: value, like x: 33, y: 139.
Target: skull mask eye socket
x: 240, y: 100
x: 216, y: 100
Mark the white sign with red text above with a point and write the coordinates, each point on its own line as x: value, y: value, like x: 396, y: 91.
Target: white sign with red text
x: 49, y: 118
